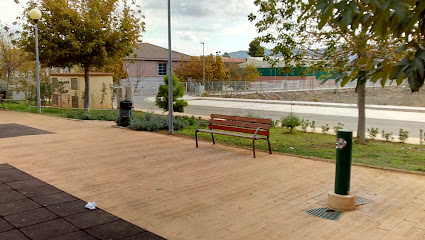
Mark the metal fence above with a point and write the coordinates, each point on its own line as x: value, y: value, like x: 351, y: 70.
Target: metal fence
x: 244, y: 87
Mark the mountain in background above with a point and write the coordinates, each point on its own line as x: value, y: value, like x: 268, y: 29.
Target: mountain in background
x: 244, y: 54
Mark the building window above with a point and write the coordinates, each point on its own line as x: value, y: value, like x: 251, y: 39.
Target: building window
x: 162, y: 68
x: 74, y: 83
x: 54, y: 83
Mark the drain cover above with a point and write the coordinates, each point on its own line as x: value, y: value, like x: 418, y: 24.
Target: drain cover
x: 361, y: 201
x: 325, y: 213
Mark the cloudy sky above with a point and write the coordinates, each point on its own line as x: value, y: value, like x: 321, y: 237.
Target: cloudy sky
x: 222, y: 24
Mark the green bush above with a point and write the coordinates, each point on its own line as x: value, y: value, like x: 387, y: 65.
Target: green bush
x: 152, y: 123
x: 93, y: 115
x: 290, y: 122
x: 403, y: 135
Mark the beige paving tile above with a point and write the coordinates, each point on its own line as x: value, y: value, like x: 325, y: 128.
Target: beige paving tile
x: 166, y: 185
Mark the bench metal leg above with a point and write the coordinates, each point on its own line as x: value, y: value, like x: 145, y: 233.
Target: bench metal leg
x: 196, y: 138
x: 212, y: 136
x: 253, y: 146
x: 268, y: 141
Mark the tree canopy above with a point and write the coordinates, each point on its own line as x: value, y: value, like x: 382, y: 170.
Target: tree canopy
x: 309, y: 33
x: 193, y: 69
x: 89, y: 33
x: 399, y: 21
x: 255, y: 49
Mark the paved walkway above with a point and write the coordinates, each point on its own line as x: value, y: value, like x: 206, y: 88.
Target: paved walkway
x: 33, y: 209
x: 165, y: 185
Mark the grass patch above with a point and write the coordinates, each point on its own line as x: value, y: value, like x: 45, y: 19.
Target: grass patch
x: 375, y: 153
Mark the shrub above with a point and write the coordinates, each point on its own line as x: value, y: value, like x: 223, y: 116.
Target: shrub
x: 338, y: 127
x: 372, y: 132
x: 325, y: 128
x: 387, y: 136
x: 421, y: 136
x: 304, y: 125
x: 291, y: 122
x: 161, y: 99
x: 152, y: 123
x: 313, y: 126
x: 403, y: 135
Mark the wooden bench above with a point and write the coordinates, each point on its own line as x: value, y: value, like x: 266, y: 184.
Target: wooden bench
x: 244, y: 127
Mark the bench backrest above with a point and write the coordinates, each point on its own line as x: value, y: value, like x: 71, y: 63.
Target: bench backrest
x: 240, y: 124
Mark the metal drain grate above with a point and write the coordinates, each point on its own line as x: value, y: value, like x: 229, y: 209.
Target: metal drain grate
x: 325, y: 213
x: 361, y: 201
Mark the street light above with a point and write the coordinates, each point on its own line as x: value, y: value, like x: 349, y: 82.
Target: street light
x: 35, y: 15
x: 217, y: 53
x: 170, y: 76
x: 203, y: 65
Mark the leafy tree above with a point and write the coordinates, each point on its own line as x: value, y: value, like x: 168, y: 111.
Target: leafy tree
x: 161, y: 99
x: 353, y: 53
x: 247, y: 73
x: 398, y: 20
x: 192, y: 69
x: 226, y: 54
x: 13, y: 60
x: 89, y: 33
x: 255, y: 49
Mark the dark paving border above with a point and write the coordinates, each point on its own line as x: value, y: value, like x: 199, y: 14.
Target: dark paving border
x: 9, y: 130
x: 33, y: 209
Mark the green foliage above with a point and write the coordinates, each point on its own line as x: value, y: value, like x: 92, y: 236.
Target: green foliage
x: 304, y: 125
x: 421, y: 136
x: 153, y: 123
x: 91, y: 34
x: 325, y: 128
x: 255, y: 49
x: 403, y: 135
x: 338, y: 127
x: 290, y: 122
x: 103, y: 115
x: 373, y: 132
x: 313, y: 126
x: 161, y: 99
x: 387, y: 136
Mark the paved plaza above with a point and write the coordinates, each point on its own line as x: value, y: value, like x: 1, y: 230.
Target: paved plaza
x: 164, y: 185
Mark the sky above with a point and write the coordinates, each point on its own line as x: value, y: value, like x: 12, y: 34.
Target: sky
x: 221, y: 24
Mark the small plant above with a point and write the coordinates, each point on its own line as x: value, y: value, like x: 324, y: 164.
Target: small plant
x: 387, y: 136
x: 421, y: 136
x: 313, y: 126
x: 373, y: 132
x: 315, y: 99
x: 403, y: 135
x: 304, y: 125
x: 277, y: 123
x: 338, y: 127
x: 325, y: 128
x: 290, y: 122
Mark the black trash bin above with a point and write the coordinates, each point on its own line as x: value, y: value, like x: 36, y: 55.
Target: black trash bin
x: 125, y: 113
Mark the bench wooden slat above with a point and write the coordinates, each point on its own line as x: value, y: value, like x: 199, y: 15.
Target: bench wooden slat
x: 233, y: 125
x: 236, y: 129
x: 231, y: 134
x: 240, y: 124
x: 243, y: 119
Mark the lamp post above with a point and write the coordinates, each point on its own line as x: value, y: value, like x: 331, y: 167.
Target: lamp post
x: 203, y: 65
x: 217, y: 53
x: 35, y: 15
x: 170, y: 76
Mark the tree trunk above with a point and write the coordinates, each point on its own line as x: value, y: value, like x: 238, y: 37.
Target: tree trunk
x: 361, y: 124
x: 87, y: 89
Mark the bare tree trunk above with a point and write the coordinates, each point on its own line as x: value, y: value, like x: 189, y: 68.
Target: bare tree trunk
x: 361, y: 124
x: 87, y: 89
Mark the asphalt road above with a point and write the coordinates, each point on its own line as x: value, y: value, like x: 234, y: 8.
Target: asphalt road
x: 381, y: 119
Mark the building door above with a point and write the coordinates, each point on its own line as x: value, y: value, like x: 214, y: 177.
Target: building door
x: 75, y: 102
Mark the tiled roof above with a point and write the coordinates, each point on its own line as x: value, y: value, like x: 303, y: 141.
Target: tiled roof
x: 233, y: 60
x: 147, y: 51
